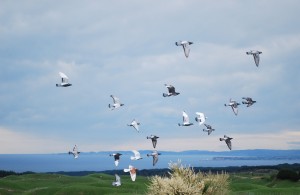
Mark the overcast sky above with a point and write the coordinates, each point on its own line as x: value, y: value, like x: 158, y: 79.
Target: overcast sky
x: 127, y: 48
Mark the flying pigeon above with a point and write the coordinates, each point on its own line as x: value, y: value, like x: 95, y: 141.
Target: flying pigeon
x: 117, y: 158
x: 186, y: 120
x: 248, y: 101
x: 137, y: 155
x: 134, y: 124
x: 132, y: 170
x: 185, y: 46
x: 154, y: 154
x: 116, y: 103
x: 64, y: 80
x: 200, y: 118
x: 234, y: 105
x: 154, y: 139
x: 171, y: 90
x: 208, y: 129
x: 117, y: 181
x: 227, y: 141
x: 255, y: 54
x: 75, y: 152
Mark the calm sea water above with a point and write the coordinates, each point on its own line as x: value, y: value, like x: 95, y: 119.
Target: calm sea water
x: 101, y: 162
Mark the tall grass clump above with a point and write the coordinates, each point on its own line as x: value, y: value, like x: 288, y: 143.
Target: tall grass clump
x: 184, y: 180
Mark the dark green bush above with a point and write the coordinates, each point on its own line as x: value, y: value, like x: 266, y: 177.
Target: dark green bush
x: 288, y: 175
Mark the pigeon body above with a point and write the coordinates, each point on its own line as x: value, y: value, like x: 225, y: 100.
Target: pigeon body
x: 116, y: 103
x: 132, y: 170
x: 234, y: 105
x: 116, y: 157
x: 200, y: 118
x: 117, y: 181
x: 185, y: 46
x: 64, y: 80
x: 227, y: 141
x: 137, y: 155
x: 171, y: 91
x: 75, y: 152
x: 153, y: 139
x: 208, y: 129
x: 134, y: 124
x: 248, y: 101
x: 255, y: 54
x: 154, y: 154
x: 186, y: 120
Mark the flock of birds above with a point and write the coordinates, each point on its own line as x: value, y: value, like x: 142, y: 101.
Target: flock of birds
x: 200, y: 117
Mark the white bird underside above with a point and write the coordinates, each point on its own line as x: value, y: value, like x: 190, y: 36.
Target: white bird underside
x: 256, y: 56
x: 64, y: 80
x: 137, y: 155
x: 186, y: 120
x: 185, y: 46
x: 117, y: 181
x: 200, y: 118
x: 135, y: 125
x: 116, y: 103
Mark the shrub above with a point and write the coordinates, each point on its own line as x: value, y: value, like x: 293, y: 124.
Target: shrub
x: 184, y: 180
x: 288, y: 174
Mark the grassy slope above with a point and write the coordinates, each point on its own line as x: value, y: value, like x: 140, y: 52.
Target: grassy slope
x: 242, y: 183
x: 61, y: 184
x: 246, y: 183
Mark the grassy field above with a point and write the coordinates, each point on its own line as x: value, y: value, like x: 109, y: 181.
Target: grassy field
x: 262, y: 182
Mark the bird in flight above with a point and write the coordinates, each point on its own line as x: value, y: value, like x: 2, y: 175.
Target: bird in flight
x: 64, y: 80
x: 185, y: 46
x: 255, y: 54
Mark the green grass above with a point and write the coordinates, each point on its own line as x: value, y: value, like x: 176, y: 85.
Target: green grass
x: 240, y: 184
x: 61, y: 184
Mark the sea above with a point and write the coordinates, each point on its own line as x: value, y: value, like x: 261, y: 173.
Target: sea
x: 42, y: 163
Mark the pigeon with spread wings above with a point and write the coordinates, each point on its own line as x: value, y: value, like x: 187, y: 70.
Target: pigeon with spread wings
x: 227, y: 141
x: 132, y: 170
x: 75, y: 152
x: 154, y: 154
x: 116, y: 103
x: 255, y: 54
x: 116, y: 157
x: 234, y: 105
x: 137, y: 155
x: 249, y: 101
x: 208, y: 129
x: 200, y: 118
x: 64, y: 80
x: 186, y: 120
x: 117, y: 181
x: 134, y: 124
x: 171, y: 91
x: 154, y: 139
x: 185, y: 46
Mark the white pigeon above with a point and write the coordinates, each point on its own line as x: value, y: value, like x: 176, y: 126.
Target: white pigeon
x: 200, y: 118
x: 154, y: 154
x: 75, y: 152
x: 208, y: 129
x: 116, y: 103
x: 186, y: 120
x: 117, y: 181
x: 137, y: 155
x: 171, y: 91
x: 135, y: 125
x: 255, y: 54
x: 132, y: 170
x: 64, y: 80
x: 234, y: 105
x: 227, y: 141
x: 116, y: 157
x: 185, y: 46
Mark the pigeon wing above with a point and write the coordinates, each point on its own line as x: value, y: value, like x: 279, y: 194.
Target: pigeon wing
x: 155, y: 159
x: 185, y: 118
x: 256, y: 59
x: 171, y: 89
x: 186, y: 49
x: 154, y: 142
x: 228, y: 142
